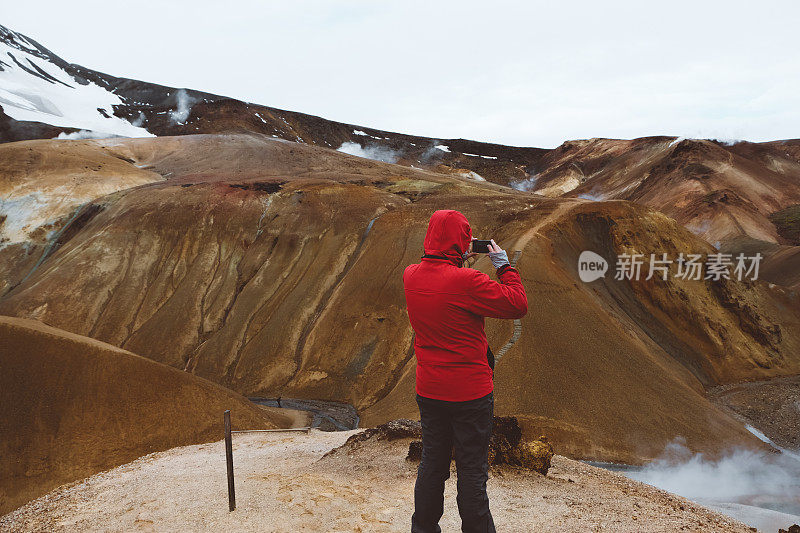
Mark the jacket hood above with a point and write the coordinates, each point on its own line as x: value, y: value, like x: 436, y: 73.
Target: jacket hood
x: 448, y: 234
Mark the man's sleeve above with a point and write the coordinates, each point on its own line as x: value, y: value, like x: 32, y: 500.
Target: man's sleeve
x: 506, y: 299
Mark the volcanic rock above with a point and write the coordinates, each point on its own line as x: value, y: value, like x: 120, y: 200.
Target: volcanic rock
x: 536, y: 455
x: 392, y: 430
x: 507, y: 447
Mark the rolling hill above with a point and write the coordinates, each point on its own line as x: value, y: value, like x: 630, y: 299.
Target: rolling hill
x: 262, y: 250
x: 71, y: 406
x: 273, y: 268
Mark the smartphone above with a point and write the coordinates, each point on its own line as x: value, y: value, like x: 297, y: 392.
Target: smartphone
x: 481, y: 247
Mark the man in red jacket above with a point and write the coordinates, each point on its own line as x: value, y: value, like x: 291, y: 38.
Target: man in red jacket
x: 446, y: 305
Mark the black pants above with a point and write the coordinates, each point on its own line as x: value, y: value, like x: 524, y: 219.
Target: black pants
x: 466, y: 426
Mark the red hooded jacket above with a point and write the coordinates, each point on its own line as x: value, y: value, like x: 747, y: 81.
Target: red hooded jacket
x: 446, y: 306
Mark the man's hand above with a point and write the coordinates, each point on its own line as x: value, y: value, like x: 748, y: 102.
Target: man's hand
x: 497, y: 255
x: 470, y: 254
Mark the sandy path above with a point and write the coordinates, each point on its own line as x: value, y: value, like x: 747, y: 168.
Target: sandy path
x: 283, y: 485
x: 297, y: 417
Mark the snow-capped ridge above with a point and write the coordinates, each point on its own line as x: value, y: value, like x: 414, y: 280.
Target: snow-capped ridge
x: 35, y: 86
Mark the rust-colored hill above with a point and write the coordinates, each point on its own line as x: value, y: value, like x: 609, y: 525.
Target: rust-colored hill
x: 741, y: 197
x: 71, y: 406
x: 721, y: 192
x: 614, y: 369
x: 726, y: 192
x: 274, y: 268
x: 244, y: 248
x: 43, y: 187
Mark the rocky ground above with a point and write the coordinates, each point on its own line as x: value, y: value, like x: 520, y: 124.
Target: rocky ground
x: 284, y: 483
x: 773, y: 406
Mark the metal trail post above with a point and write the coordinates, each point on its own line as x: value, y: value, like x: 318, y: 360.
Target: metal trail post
x: 229, y: 461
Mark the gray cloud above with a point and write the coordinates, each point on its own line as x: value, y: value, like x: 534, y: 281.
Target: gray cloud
x: 706, y: 70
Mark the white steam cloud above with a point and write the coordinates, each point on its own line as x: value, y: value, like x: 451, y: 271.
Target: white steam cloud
x: 472, y: 175
x: 84, y: 134
x: 592, y: 197
x: 435, y: 150
x: 377, y: 153
x: 761, y: 489
x: 525, y: 184
x: 139, y: 121
x: 728, y: 142
x: 185, y: 103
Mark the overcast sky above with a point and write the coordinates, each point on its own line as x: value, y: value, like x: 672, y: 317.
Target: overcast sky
x: 522, y: 73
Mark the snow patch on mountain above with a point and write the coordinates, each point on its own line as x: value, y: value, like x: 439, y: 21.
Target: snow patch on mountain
x: 365, y: 134
x: 35, y: 89
x: 479, y: 155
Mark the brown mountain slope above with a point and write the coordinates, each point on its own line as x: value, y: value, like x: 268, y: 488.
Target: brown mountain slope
x: 21, y: 130
x: 494, y: 162
x: 724, y: 192
x: 616, y: 370
x: 782, y: 266
x: 274, y: 268
x: 43, y: 186
x: 719, y: 192
x: 782, y: 157
x: 71, y: 406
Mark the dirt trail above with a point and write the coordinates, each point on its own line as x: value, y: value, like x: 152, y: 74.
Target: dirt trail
x: 558, y: 212
x: 284, y: 484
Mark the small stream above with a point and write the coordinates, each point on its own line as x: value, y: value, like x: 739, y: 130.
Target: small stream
x: 327, y: 416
